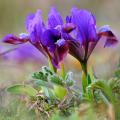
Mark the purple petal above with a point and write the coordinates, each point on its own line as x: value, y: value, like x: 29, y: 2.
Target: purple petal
x: 12, y: 39
x: 52, y: 48
x: 54, y: 18
x: 62, y: 49
x: 110, y: 42
x: 35, y: 27
x: 68, y: 19
x: 59, y: 53
x: 110, y: 37
x: 76, y: 50
x: 86, y: 24
x: 29, y: 20
x: 50, y: 36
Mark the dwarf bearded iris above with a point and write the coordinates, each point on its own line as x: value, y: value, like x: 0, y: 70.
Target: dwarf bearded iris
x: 79, y: 35
x: 84, y: 38
x: 47, y: 39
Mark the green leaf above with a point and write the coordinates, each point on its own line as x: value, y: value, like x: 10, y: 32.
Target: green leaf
x: 117, y: 73
x: 89, y: 79
x: 40, y: 75
x: 41, y: 83
x: 56, y: 80
x: 105, y: 88
x: 114, y: 84
x: 46, y: 69
x: 22, y: 89
x: 43, y: 74
x: 60, y: 92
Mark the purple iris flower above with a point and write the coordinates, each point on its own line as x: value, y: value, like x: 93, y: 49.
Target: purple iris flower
x: 79, y: 35
x: 49, y: 39
x: 85, y: 37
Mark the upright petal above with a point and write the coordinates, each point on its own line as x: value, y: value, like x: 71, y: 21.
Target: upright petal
x: 35, y: 26
x: 29, y: 19
x: 68, y: 19
x: 110, y: 37
x: 86, y: 25
x: 54, y: 18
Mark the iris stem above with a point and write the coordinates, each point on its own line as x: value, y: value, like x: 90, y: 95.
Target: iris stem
x: 84, y: 75
x: 84, y: 67
x: 63, y: 70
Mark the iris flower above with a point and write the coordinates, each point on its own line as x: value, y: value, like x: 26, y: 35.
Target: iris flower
x: 85, y: 37
x: 47, y: 39
x: 79, y: 35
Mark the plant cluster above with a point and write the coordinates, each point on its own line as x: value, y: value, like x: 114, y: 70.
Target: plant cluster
x: 56, y: 91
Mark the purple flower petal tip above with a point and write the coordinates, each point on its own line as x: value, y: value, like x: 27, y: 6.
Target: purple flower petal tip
x: 85, y: 25
x: 54, y: 18
x: 110, y: 37
x: 110, y: 42
x: 29, y: 18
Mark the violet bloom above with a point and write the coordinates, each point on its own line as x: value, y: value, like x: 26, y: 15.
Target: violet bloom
x: 53, y: 38
x: 47, y: 39
x: 84, y: 38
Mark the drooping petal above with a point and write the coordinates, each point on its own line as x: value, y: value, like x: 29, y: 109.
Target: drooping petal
x: 110, y: 37
x: 62, y: 49
x: 54, y: 18
x: 86, y: 25
x: 12, y: 39
x: 60, y: 52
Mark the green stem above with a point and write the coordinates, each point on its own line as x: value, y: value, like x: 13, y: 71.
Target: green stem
x: 84, y: 67
x: 63, y: 70
x: 84, y: 76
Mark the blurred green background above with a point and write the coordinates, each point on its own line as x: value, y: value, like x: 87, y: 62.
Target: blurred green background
x: 12, y: 19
